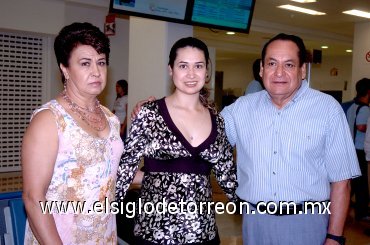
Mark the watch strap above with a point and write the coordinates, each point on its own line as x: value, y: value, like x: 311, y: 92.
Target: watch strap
x: 339, y: 239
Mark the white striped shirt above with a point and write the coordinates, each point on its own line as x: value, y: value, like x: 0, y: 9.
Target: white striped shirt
x: 293, y: 153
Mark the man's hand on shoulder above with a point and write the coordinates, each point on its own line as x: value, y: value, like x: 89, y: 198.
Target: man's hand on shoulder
x: 138, y: 106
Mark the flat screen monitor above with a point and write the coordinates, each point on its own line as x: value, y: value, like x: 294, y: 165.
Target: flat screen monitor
x: 167, y: 10
x: 233, y: 15
x: 230, y: 15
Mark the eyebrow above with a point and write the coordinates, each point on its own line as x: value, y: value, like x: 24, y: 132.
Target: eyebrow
x: 198, y: 62
x: 285, y: 61
x: 89, y: 59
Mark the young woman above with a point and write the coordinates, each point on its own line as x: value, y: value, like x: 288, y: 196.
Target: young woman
x: 181, y: 138
x: 120, y: 105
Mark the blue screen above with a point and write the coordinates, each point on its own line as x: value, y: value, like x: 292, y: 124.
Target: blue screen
x: 225, y: 13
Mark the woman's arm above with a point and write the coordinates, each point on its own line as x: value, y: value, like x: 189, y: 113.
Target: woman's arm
x: 225, y: 168
x: 39, y: 152
x: 135, y: 146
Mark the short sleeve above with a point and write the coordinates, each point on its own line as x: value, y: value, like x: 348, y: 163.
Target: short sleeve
x: 340, y: 154
x: 230, y: 128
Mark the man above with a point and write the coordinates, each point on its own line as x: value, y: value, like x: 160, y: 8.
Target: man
x: 293, y: 144
x: 256, y: 84
x: 357, y: 114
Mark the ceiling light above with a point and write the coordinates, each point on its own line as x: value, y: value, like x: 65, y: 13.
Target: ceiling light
x: 349, y: 50
x: 302, y: 10
x: 324, y: 47
x: 358, y: 13
x: 304, y: 1
x: 230, y: 33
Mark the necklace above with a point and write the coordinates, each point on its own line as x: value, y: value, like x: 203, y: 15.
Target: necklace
x: 93, y: 117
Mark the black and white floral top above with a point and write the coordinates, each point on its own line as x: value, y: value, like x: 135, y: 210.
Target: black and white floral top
x: 176, y: 192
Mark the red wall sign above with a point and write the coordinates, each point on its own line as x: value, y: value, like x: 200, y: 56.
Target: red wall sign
x: 367, y: 56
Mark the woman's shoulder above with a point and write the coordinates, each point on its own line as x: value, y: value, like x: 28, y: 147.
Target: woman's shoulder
x: 51, y: 106
x: 46, y: 114
x: 152, y: 105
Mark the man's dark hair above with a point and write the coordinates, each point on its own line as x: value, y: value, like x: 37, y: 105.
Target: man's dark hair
x: 302, y: 53
x: 362, y: 87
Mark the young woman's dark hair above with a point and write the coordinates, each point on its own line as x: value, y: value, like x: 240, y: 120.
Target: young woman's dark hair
x: 302, y: 53
x: 194, y: 43
x: 79, y: 34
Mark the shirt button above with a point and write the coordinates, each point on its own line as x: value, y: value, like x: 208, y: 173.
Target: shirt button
x: 273, y: 173
x: 275, y: 152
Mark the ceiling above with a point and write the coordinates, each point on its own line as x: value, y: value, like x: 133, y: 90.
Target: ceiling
x: 334, y: 29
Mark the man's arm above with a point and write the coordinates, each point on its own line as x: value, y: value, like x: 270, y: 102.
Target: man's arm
x: 138, y: 106
x: 367, y: 141
x: 339, y: 197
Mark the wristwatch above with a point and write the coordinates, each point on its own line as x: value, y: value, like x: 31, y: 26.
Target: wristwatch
x: 339, y: 239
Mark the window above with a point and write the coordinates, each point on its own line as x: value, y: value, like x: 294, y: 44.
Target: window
x: 22, y: 66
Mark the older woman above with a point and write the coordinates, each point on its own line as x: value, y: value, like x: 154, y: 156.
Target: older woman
x: 72, y: 147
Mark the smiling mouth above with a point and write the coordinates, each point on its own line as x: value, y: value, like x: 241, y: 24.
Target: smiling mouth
x: 190, y: 83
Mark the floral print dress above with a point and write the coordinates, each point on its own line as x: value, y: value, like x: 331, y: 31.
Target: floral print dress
x: 176, y: 180
x: 85, y: 171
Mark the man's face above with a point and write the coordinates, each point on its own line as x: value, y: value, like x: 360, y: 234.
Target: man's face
x: 281, y: 73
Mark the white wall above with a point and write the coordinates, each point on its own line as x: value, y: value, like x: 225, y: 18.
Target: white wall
x: 361, y: 46
x: 48, y: 17
x: 322, y: 80
x: 37, y: 16
x: 118, y: 61
x: 237, y: 74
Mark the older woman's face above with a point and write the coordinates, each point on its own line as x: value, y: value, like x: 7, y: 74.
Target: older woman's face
x: 87, y: 71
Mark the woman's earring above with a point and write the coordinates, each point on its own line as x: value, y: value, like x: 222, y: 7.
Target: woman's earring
x: 66, y: 80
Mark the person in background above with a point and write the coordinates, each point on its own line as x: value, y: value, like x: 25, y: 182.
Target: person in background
x: 357, y: 115
x: 71, y: 148
x: 256, y: 84
x: 367, y: 141
x: 182, y: 139
x: 120, y: 106
x: 293, y: 145
x: 367, y: 153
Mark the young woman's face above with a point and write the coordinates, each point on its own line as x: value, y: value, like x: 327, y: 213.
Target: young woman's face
x: 189, y: 70
x: 87, y: 71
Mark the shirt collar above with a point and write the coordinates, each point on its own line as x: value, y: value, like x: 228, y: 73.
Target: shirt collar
x: 302, y: 89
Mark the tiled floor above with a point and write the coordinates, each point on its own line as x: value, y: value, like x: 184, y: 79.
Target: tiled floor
x: 229, y: 225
